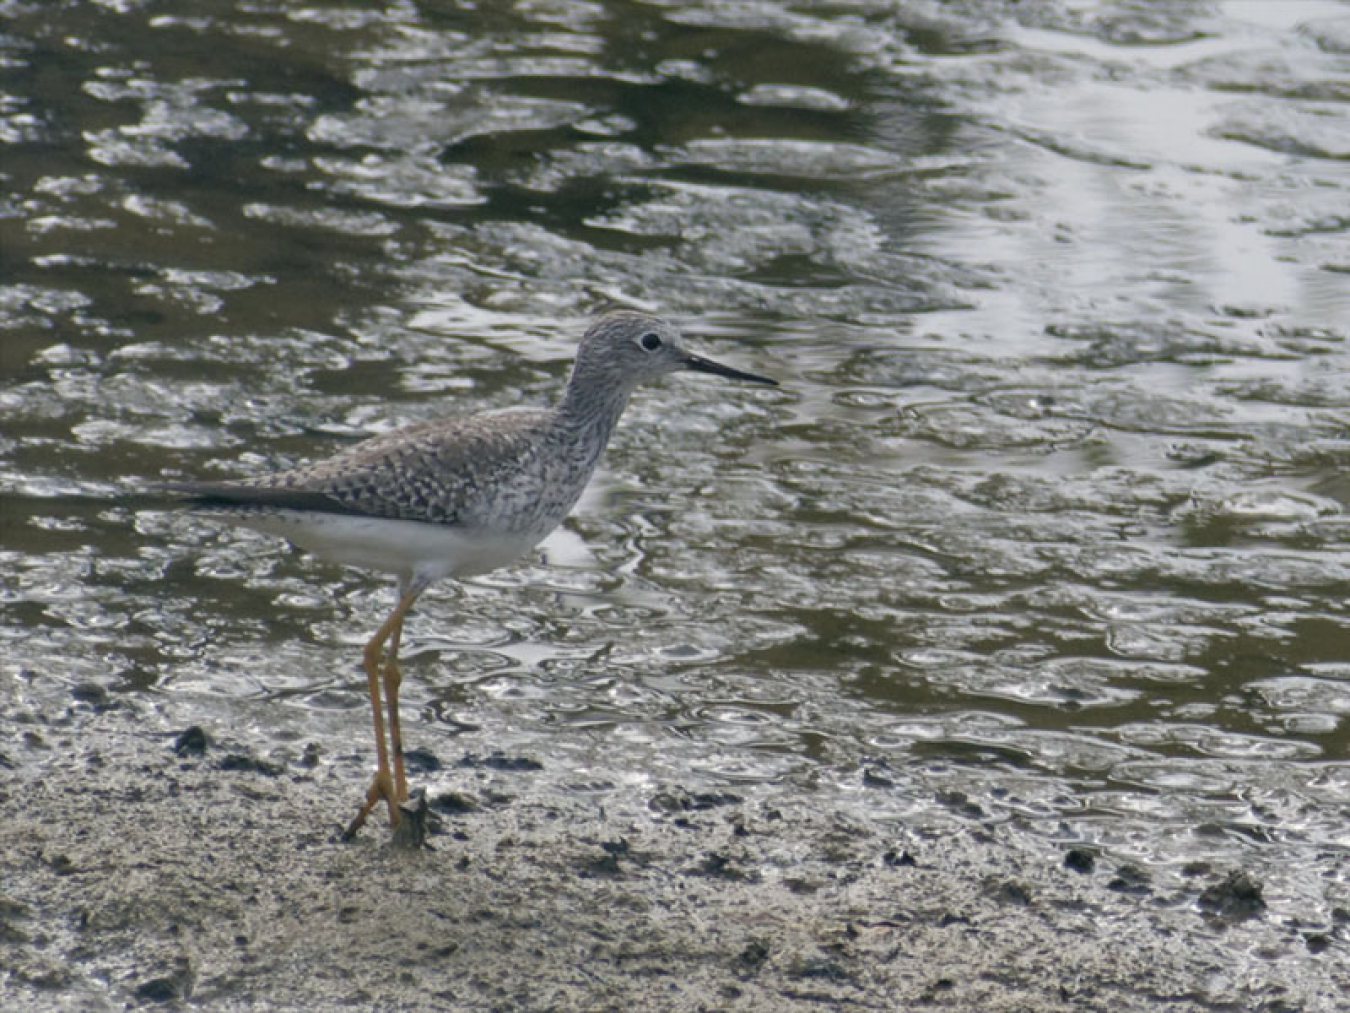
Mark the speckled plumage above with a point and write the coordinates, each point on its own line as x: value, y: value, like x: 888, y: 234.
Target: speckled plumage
x: 509, y: 475
x: 448, y: 471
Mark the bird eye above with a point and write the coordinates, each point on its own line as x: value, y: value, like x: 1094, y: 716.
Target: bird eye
x: 651, y: 341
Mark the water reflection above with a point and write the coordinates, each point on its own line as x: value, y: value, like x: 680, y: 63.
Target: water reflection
x: 1054, y: 497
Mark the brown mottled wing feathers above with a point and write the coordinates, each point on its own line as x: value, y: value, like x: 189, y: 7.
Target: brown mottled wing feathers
x: 436, y: 472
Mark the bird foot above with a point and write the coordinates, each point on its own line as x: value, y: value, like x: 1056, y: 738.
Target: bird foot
x: 381, y: 789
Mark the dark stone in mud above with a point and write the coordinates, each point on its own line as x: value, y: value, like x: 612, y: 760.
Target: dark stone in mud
x: 415, y: 824
x: 91, y: 693
x: 938, y: 993
x: 1236, y: 899
x: 421, y: 761
x: 502, y: 762
x: 192, y: 741
x: 157, y: 990
x: 873, y: 778
x: 1317, y: 942
x: 1130, y: 879
x: 250, y: 764
x: 1080, y: 860
x: 453, y: 803
x: 174, y: 985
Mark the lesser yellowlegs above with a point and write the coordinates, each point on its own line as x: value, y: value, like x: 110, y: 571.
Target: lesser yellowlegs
x: 454, y: 497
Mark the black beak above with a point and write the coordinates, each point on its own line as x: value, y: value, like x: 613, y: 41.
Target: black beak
x: 702, y: 365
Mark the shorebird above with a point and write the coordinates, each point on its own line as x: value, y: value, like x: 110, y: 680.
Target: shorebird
x: 453, y: 498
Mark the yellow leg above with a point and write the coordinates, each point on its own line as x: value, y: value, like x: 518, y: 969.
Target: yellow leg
x: 383, y: 786
x: 393, y: 678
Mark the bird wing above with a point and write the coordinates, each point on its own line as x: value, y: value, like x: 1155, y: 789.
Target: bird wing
x: 434, y: 472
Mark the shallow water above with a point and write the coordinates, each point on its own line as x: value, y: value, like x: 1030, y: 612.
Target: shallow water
x: 1049, y: 515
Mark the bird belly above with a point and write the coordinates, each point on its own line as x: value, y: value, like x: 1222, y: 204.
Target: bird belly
x: 407, y: 548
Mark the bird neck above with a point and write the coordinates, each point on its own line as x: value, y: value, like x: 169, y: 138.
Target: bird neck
x: 590, y: 409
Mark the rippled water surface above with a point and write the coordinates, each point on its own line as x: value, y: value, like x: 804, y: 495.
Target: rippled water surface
x: 1050, y: 510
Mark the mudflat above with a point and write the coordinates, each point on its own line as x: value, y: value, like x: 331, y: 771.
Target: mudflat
x: 146, y: 865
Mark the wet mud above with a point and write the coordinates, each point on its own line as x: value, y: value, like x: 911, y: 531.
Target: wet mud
x: 140, y: 875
